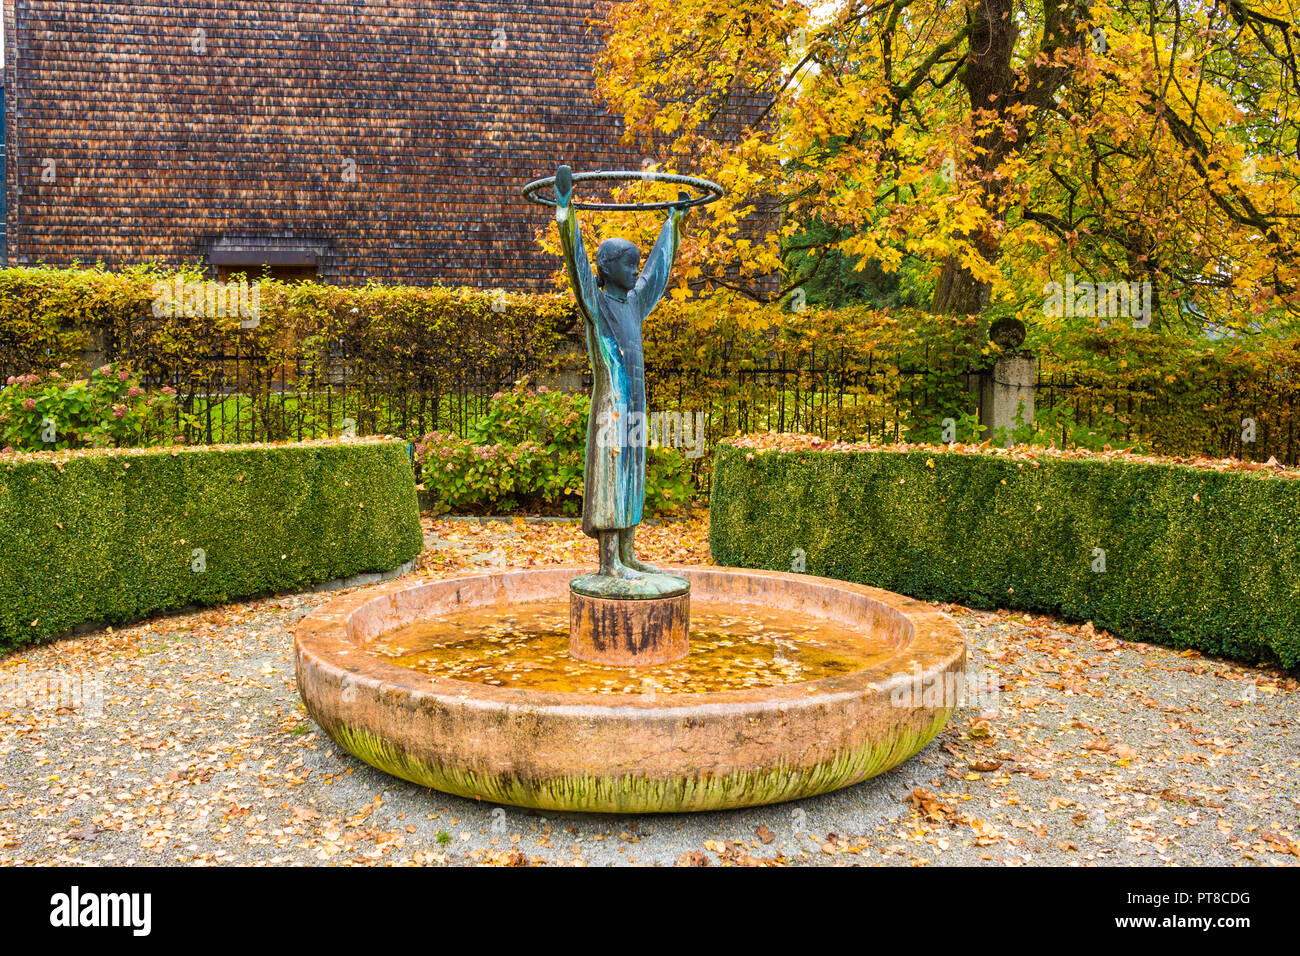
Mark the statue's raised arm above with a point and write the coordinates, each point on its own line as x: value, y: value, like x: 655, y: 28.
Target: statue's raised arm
x: 653, y: 280
x: 576, y: 262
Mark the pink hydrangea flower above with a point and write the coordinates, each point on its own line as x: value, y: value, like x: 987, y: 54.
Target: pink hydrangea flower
x: 30, y: 405
x: 168, y: 390
x: 133, y: 391
x: 105, y: 369
x: 119, y: 411
x: 123, y: 375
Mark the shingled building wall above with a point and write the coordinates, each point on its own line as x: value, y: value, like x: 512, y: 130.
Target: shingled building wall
x: 381, y: 140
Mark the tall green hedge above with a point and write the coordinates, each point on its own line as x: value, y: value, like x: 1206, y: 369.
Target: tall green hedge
x: 1193, y: 557
x: 114, y: 536
x: 49, y: 315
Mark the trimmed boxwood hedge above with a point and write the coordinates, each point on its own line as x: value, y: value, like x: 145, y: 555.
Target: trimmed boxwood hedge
x: 112, y: 536
x: 1194, y: 557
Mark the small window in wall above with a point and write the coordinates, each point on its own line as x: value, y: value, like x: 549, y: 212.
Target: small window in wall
x: 255, y: 271
x: 285, y: 259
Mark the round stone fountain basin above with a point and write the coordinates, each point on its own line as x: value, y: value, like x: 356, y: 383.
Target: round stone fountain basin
x: 632, y: 752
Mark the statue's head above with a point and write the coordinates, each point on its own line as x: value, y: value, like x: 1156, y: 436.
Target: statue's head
x: 618, y: 261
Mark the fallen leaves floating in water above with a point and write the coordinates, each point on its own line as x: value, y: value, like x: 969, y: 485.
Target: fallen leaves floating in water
x: 526, y: 646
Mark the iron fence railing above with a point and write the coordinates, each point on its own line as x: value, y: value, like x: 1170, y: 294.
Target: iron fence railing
x: 1252, y: 418
x: 231, y: 390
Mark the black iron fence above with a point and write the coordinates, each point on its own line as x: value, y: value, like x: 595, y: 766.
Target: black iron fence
x: 240, y: 394
x: 1187, y: 415
x: 836, y: 394
x: 236, y: 391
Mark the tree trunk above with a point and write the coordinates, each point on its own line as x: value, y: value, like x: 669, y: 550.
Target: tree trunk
x: 990, y: 83
x: 958, y: 292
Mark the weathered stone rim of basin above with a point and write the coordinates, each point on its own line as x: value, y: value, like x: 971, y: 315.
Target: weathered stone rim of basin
x: 369, y: 613
x: 668, y: 752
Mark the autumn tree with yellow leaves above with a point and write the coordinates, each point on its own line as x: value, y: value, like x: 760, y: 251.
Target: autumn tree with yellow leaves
x: 980, y: 149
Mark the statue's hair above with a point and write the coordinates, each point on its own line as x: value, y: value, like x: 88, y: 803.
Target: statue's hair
x: 610, y: 250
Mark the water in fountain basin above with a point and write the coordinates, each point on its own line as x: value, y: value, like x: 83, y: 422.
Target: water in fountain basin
x: 733, y: 647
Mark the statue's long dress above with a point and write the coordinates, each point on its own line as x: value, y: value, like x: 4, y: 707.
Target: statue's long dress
x: 614, y: 483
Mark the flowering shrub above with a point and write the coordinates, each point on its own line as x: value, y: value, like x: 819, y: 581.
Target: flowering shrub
x: 528, y: 452
x: 109, y: 408
x: 467, y: 476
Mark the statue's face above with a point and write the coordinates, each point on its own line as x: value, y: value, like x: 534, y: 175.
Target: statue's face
x: 622, y: 272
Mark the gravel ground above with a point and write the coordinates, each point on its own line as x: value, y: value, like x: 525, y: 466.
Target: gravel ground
x: 187, y: 744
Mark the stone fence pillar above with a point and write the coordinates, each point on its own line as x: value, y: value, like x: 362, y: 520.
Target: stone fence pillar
x: 1007, y: 392
x: 1007, y: 389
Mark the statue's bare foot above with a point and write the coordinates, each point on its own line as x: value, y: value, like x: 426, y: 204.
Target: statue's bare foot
x: 621, y: 570
x: 626, y: 555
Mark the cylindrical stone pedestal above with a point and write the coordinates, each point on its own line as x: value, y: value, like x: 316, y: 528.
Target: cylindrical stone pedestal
x: 628, y: 632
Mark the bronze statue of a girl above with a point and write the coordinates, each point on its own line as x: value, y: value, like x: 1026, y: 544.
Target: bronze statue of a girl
x: 614, y: 303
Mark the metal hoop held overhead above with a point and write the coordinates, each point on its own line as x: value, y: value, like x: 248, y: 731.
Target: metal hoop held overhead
x: 712, y: 191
